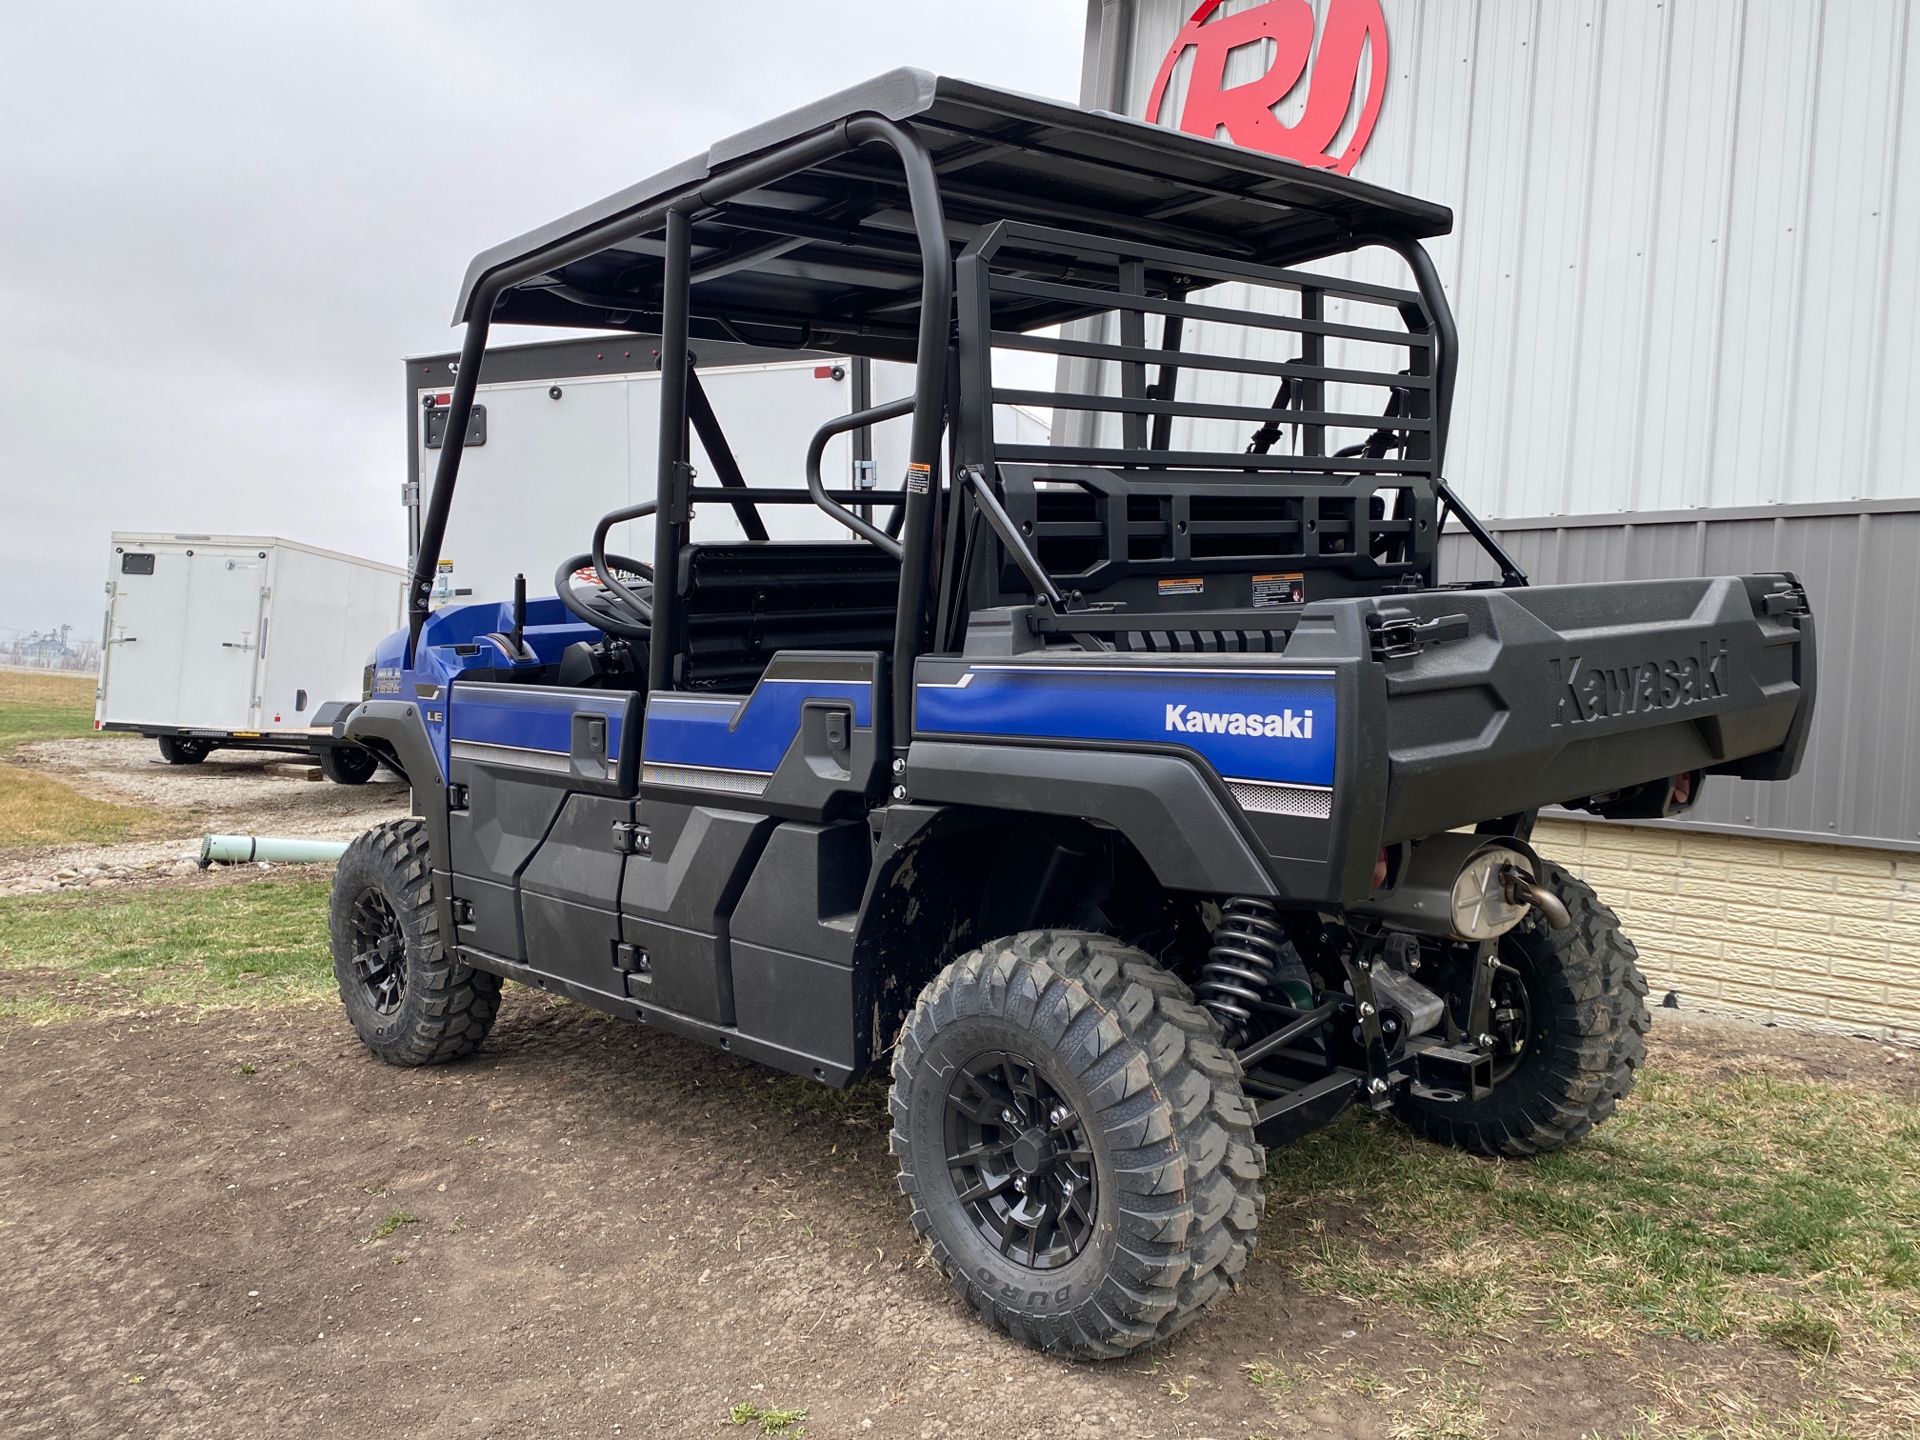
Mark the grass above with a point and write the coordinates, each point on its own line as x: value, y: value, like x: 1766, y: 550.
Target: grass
x: 44, y: 706
x: 39, y: 810
x: 772, y: 1419
x: 395, y: 1220
x: 36, y: 809
x: 1711, y: 1208
x: 35, y: 1010
x: 262, y: 943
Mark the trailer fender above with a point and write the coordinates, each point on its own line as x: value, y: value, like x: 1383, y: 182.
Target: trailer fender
x: 1190, y: 838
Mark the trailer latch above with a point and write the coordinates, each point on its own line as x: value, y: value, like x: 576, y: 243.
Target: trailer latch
x: 1398, y: 634
x: 632, y: 838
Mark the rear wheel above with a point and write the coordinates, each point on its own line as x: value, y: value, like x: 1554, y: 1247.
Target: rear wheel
x: 183, y: 750
x: 1569, y: 1021
x: 409, y: 1001
x: 1075, y: 1142
x: 348, y: 764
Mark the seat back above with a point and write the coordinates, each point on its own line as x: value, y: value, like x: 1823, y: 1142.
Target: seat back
x: 743, y: 602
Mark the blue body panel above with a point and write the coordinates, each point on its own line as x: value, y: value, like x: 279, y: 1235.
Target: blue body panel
x: 744, y: 733
x: 532, y: 718
x: 438, y: 664
x: 1269, y: 724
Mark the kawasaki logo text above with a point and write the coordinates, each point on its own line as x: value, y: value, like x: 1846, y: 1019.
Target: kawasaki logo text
x: 1587, y: 693
x: 1287, y: 725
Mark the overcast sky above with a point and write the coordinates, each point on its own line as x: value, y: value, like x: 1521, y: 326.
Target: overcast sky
x: 222, y: 226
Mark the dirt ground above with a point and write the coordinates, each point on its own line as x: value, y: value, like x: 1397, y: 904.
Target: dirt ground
x: 595, y: 1229
x: 238, y: 1223
x: 231, y: 792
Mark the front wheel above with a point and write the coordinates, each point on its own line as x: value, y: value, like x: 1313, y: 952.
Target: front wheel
x: 183, y: 750
x: 410, y: 1002
x: 1569, y: 1020
x: 1075, y: 1143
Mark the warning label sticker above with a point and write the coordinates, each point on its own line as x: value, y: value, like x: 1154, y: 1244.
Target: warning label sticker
x: 918, y: 478
x: 1185, y: 585
x: 1270, y: 591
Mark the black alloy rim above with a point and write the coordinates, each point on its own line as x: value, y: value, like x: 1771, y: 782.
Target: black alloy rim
x: 379, y: 952
x: 1021, y: 1161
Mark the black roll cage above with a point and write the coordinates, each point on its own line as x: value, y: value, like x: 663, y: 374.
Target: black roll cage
x: 936, y: 356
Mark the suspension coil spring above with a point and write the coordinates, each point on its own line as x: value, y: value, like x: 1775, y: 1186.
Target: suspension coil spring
x: 1242, y: 962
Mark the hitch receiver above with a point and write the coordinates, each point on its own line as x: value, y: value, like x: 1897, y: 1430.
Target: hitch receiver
x: 1444, y: 1073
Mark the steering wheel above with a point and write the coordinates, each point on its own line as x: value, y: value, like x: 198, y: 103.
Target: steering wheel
x: 601, y: 607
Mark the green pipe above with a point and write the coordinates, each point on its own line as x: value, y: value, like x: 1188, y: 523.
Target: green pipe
x: 242, y: 849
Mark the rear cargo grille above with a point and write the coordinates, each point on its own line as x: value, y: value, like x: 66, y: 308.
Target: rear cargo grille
x: 1303, y: 801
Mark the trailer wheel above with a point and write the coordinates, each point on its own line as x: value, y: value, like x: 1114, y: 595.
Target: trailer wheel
x: 1075, y: 1143
x: 183, y: 750
x: 348, y: 764
x: 1570, y: 1022
x: 410, y: 1002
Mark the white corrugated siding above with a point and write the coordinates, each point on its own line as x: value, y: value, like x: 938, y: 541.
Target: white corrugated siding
x: 1687, y: 240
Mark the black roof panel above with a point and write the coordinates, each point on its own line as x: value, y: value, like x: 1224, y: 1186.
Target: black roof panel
x: 846, y: 257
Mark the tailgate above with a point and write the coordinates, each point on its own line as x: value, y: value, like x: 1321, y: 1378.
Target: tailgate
x: 1498, y: 701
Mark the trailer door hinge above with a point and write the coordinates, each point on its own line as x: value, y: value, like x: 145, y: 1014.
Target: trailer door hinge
x: 632, y: 838
x: 410, y: 493
x: 1396, y: 635
x: 456, y: 797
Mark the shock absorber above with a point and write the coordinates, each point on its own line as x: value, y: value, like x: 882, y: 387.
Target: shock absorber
x: 1246, y: 956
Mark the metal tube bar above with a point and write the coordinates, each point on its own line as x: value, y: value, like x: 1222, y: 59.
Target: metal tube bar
x: 1193, y: 360
x: 1306, y: 1095
x: 478, y: 316
x: 929, y: 412
x: 433, y: 530
x: 1199, y: 262
x: 1147, y: 405
x: 707, y: 426
x: 1096, y: 299
x: 1009, y: 533
x: 1251, y: 1055
x: 796, y: 495
x: 1168, y: 381
x: 816, y: 487
x: 1062, y: 455
x: 670, y: 519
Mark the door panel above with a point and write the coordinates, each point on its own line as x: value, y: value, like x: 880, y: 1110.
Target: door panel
x: 806, y: 743
x: 569, y: 894
x: 517, y: 754
x: 225, y: 629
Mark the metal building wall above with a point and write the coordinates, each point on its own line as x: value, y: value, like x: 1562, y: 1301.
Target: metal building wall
x: 1861, y: 780
x: 1687, y: 256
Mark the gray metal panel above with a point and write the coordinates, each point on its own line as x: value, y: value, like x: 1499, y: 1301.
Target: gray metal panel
x: 1684, y: 265
x: 1860, y: 783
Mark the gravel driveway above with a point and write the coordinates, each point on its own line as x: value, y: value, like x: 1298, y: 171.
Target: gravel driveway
x: 232, y: 792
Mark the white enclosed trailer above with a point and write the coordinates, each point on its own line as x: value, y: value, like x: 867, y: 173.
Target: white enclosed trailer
x: 240, y: 642
x: 567, y: 430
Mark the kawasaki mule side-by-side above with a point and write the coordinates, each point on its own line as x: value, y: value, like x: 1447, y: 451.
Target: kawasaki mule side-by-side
x: 1138, y: 799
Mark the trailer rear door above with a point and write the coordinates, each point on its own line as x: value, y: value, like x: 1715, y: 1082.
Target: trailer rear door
x: 183, y: 638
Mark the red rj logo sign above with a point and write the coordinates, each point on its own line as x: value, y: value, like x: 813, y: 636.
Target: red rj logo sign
x: 1355, y: 30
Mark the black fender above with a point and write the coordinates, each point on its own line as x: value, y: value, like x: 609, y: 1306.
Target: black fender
x: 1189, y: 837
x: 395, y: 729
